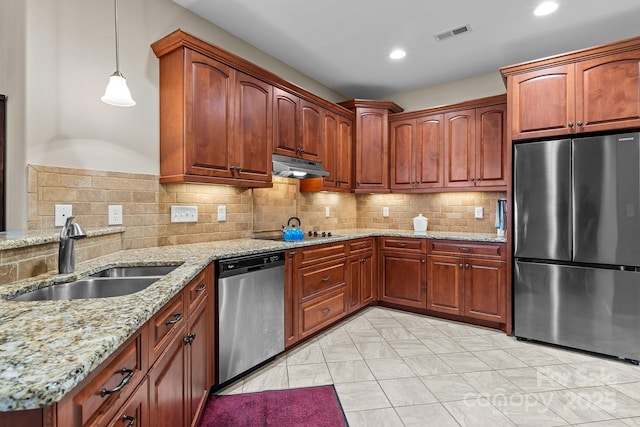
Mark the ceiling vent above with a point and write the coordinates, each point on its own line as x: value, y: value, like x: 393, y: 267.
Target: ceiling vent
x: 451, y: 33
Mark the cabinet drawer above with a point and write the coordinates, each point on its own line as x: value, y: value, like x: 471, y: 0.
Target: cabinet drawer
x: 320, y: 253
x: 109, y: 389
x: 135, y: 410
x: 322, y: 311
x: 197, y: 290
x: 489, y: 250
x: 403, y: 244
x: 165, y: 324
x: 320, y: 278
x: 360, y: 245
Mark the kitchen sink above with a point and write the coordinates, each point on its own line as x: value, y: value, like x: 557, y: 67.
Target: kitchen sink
x: 90, y: 287
x: 143, y: 271
x: 110, y: 282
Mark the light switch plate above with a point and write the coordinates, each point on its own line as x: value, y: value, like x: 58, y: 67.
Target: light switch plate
x: 222, y: 213
x: 62, y: 212
x: 115, y: 214
x: 327, y: 212
x: 184, y: 214
x: 385, y: 211
x: 479, y: 212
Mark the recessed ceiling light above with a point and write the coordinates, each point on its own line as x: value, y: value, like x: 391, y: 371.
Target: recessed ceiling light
x: 546, y: 8
x: 397, y: 54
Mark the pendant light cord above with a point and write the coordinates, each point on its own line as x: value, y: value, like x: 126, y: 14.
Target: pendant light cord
x: 115, y: 2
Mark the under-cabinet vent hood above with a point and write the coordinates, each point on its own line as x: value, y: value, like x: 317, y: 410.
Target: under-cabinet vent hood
x: 290, y: 167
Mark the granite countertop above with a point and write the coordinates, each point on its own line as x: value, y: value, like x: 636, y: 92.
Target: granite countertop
x: 48, y: 347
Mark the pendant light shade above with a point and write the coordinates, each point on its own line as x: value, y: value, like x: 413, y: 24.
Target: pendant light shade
x: 117, y: 92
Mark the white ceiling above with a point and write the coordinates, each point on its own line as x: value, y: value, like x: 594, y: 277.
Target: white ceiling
x: 344, y: 44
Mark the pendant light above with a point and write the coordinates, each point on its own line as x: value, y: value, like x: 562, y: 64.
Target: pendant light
x: 117, y: 92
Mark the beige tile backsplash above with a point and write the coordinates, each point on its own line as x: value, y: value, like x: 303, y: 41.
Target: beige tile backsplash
x: 146, y: 207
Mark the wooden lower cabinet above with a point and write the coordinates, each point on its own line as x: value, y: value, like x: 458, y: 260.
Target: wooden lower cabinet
x: 322, y: 311
x: 403, y: 278
x: 467, y: 287
x: 361, y: 280
x: 290, y: 300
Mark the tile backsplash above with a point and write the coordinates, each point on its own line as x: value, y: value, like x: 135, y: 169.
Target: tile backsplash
x: 146, y: 206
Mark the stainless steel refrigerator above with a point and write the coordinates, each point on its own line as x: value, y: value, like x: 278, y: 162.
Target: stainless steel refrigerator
x: 577, y: 243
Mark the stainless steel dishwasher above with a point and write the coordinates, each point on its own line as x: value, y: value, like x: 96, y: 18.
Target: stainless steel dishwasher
x: 250, y: 312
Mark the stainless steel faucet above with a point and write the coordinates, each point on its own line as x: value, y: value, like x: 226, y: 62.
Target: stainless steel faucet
x: 66, y: 254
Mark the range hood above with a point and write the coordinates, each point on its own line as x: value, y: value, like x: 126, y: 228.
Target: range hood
x: 291, y: 167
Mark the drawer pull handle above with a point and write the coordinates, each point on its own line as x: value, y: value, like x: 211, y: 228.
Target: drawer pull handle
x: 463, y: 249
x: 128, y: 373
x: 202, y: 287
x: 402, y: 245
x: 176, y: 318
x: 326, y: 311
x: 132, y: 421
x: 326, y: 279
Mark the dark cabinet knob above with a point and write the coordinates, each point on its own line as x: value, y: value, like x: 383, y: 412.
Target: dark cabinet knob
x: 579, y: 123
x: 570, y: 124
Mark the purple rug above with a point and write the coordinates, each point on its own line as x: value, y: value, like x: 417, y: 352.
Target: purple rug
x: 303, y: 407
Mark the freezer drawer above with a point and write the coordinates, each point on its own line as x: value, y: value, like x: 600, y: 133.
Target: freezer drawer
x: 590, y: 309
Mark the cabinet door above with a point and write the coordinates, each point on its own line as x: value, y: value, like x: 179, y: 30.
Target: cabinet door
x: 344, y: 151
x: 491, y: 146
x: 459, y: 148
x: 608, y: 92
x: 372, y: 152
x: 429, y: 158
x: 401, y: 156
x: 354, y: 283
x: 311, y: 121
x: 403, y: 279
x: 198, y: 360
x: 285, y: 123
x: 543, y: 102
x: 253, y: 129
x: 208, y: 117
x: 368, y: 282
x: 290, y: 301
x: 167, y: 386
x: 330, y: 148
x: 485, y: 289
x: 445, y: 284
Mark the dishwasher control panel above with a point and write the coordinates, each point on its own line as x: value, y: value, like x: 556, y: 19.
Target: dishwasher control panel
x: 244, y: 264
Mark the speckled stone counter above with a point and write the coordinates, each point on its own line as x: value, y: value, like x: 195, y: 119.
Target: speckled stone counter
x: 48, y: 347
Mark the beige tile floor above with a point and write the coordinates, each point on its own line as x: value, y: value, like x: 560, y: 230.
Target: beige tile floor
x: 392, y: 368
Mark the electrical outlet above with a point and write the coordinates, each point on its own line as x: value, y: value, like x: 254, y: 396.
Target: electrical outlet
x: 327, y: 212
x: 62, y: 212
x: 184, y: 214
x: 115, y: 214
x: 222, y: 213
x: 385, y: 211
x: 479, y: 212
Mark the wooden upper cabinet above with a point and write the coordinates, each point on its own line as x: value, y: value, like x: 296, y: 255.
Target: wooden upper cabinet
x: 595, y: 89
x: 608, y: 92
x: 330, y: 147
x: 429, y: 149
x: 460, y: 135
x: 297, y: 126
x: 285, y: 123
x: 253, y: 129
x: 344, y: 150
x: 208, y: 119
x: 543, y: 102
x: 491, y: 146
x: 416, y: 153
x: 311, y: 123
x: 371, y: 162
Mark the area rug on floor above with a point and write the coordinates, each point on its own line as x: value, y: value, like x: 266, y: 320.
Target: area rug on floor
x: 298, y: 407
